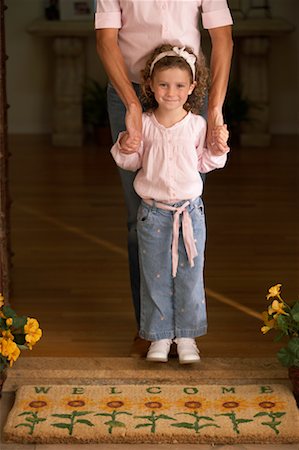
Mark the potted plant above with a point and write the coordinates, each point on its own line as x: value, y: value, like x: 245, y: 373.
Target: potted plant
x: 95, y: 112
x: 284, y: 319
x: 16, y: 333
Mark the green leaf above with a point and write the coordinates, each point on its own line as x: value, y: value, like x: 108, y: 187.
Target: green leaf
x: 62, y: 416
x: 82, y: 413
x: 279, y: 336
x: 285, y: 357
x: 116, y: 423
x: 143, y: 417
x: 295, y: 312
x: 293, y: 346
x: 30, y: 419
x: 279, y: 414
x: 19, y: 322
x: 183, y: 425
x: 141, y: 425
x: 260, y: 414
x: 20, y: 340
x: 9, y: 312
x: 282, y: 322
x: 60, y: 425
x: 23, y: 425
x: 86, y: 422
x: 163, y: 416
x: 244, y: 420
x: 25, y: 413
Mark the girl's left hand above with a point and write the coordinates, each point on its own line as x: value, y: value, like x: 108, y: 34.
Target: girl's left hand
x: 219, y: 140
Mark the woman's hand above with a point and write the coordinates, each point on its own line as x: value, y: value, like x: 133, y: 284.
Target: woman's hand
x: 218, y: 142
x: 131, y: 140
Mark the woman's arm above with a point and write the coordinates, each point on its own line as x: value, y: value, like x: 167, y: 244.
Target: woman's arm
x: 115, y: 67
x: 222, y: 49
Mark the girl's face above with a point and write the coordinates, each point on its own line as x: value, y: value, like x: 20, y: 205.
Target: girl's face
x: 171, y: 87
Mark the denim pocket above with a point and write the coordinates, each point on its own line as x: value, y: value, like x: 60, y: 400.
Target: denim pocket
x: 143, y: 214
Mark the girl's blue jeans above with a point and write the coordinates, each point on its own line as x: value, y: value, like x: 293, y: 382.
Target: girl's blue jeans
x: 170, y: 307
x: 117, y: 112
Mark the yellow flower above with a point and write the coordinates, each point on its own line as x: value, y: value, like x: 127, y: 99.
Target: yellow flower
x: 277, y: 308
x: 31, y: 326
x: 115, y: 402
x: 40, y: 402
x: 32, y: 331
x: 9, y: 322
x: 194, y: 403
x: 1, y: 300
x: 268, y: 324
x: 274, y: 291
x: 154, y: 403
x: 231, y: 403
x: 9, y: 350
x: 77, y: 402
x: 6, y: 334
x: 268, y: 403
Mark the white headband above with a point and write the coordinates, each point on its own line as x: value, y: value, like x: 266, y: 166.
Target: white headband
x: 181, y: 52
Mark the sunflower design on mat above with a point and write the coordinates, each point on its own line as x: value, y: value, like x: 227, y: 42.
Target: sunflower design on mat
x: 114, y: 407
x: 271, y: 411
x: 38, y: 403
x: 193, y: 403
x: 154, y: 403
x: 231, y: 403
x: 231, y: 406
x: 154, y: 408
x: 114, y: 402
x: 76, y: 403
x: 268, y: 403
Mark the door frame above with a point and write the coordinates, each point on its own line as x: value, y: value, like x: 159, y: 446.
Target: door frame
x: 5, y: 253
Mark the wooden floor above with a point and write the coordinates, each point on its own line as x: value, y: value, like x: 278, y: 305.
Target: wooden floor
x: 70, y: 268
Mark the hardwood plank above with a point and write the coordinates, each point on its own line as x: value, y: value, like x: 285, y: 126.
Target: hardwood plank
x: 70, y: 268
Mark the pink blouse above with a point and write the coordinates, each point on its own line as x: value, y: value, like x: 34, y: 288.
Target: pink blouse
x: 145, y: 24
x: 169, y: 159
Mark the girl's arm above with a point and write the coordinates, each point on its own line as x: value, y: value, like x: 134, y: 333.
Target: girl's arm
x: 207, y: 160
x: 124, y: 159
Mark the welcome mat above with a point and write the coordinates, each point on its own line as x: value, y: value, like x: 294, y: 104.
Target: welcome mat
x: 157, y: 413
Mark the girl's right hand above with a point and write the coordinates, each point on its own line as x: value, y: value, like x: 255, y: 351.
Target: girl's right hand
x: 219, y: 138
x: 128, y: 145
x: 132, y: 138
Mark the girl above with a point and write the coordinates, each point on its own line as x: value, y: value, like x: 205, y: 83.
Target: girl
x: 171, y: 224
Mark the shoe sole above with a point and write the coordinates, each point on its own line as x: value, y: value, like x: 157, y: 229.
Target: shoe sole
x: 189, y: 361
x: 157, y: 359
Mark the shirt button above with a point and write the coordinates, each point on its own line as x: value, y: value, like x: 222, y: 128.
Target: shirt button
x: 163, y: 6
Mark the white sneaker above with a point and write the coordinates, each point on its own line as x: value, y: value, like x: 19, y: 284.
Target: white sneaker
x: 159, y: 350
x: 187, y: 350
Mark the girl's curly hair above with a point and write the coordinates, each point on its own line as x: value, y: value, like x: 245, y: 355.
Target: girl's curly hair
x: 196, y: 99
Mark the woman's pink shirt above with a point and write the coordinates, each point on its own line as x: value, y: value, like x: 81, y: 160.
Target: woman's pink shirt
x: 145, y: 24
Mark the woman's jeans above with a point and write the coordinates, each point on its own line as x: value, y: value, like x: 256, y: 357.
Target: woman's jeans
x: 117, y: 112
x: 170, y: 306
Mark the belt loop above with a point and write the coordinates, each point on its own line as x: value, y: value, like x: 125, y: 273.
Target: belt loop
x: 154, y: 206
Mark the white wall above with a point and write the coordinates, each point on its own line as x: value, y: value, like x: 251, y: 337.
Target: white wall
x: 30, y: 70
